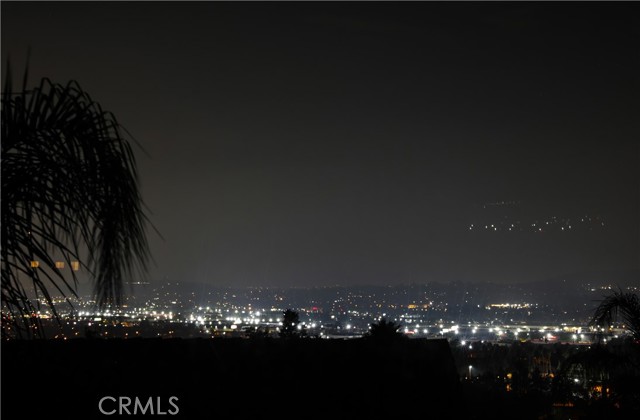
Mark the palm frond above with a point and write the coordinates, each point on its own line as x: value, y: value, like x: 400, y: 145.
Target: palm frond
x: 70, y: 188
x: 619, y: 306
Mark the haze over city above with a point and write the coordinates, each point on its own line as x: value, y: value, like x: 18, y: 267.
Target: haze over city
x: 345, y: 144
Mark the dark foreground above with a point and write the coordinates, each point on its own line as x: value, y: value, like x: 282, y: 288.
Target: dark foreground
x: 229, y: 378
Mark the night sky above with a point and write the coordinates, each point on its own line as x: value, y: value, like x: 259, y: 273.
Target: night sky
x: 300, y: 144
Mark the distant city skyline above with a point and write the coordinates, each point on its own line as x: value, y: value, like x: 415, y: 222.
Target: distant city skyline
x: 310, y: 144
x: 477, y: 311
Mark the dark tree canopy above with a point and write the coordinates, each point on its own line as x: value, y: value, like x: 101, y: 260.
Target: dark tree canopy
x: 290, y: 322
x: 385, y: 330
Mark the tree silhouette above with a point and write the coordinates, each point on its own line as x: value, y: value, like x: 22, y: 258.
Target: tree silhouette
x: 385, y: 330
x: 290, y: 322
x: 70, y: 199
x: 614, y: 366
x: 625, y: 306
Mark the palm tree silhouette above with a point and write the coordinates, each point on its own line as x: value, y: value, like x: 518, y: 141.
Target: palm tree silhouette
x: 625, y: 306
x: 69, y: 193
x: 615, y: 366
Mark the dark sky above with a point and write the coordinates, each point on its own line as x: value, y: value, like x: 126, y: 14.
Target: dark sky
x: 330, y: 143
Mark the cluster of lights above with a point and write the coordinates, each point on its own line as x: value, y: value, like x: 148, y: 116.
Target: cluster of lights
x: 508, y: 306
x: 565, y: 225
